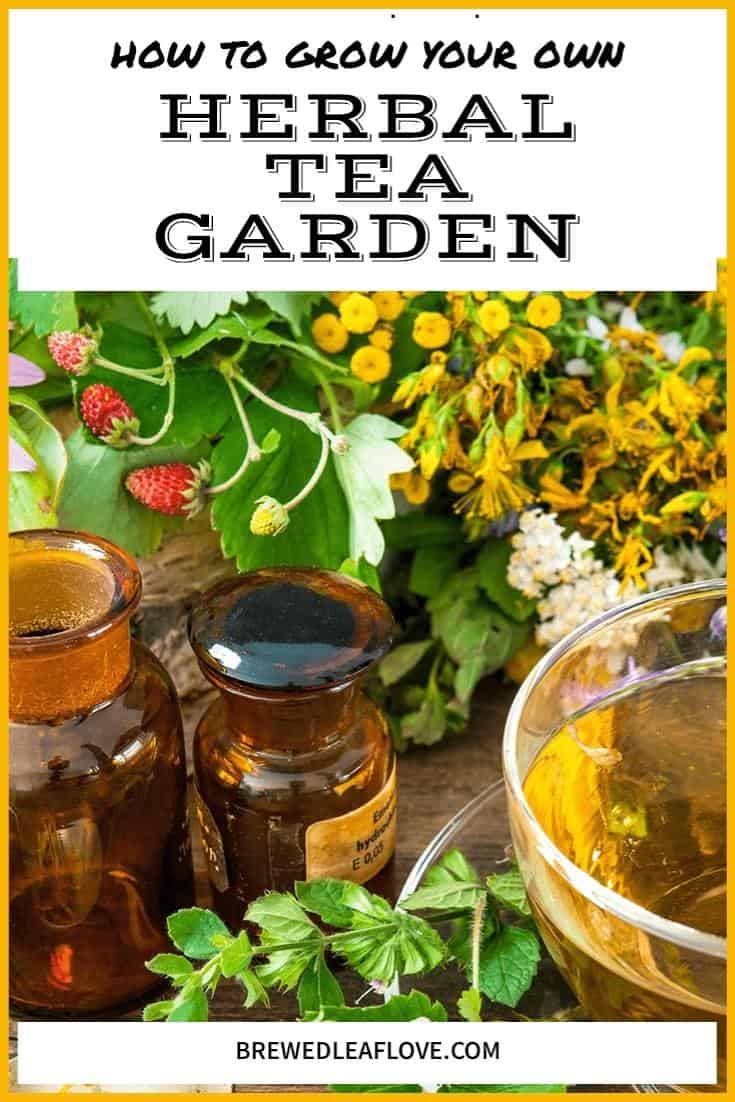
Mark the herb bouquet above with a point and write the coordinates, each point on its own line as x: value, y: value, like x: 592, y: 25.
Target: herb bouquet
x: 511, y: 463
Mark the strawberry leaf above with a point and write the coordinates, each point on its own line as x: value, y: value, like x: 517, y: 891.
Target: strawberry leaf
x: 185, y: 309
x: 317, y: 534
x: 43, y: 311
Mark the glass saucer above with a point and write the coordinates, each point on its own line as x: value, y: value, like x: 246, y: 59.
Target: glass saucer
x: 480, y: 830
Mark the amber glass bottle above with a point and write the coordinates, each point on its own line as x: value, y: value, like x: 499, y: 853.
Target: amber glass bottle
x: 99, y: 850
x: 294, y: 765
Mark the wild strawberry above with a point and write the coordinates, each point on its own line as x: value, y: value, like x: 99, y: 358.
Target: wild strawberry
x: 269, y: 519
x: 108, y: 415
x: 176, y: 489
x: 73, y: 351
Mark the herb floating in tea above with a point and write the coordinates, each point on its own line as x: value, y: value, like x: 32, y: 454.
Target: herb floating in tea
x: 492, y: 939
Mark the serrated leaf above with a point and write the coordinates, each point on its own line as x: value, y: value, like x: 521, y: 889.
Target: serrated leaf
x: 255, y: 992
x: 428, y: 724
x: 185, y: 309
x: 317, y: 534
x: 94, y: 498
x: 192, y: 931
x: 364, y: 472
x: 193, y: 1008
x: 325, y: 898
x: 383, y: 943
x: 236, y: 956
x: 294, y: 306
x: 492, y: 566
x: 508, y: 889
x: 281, y: 919
x: 508, y: 964
x: 469, y: 1005
x: 402, y: 659
x: 170, y: 964
x: 399, y: 1008
x: 236, y: 326
x: 43, y: 311
x: 156, y: 1012
x: 451, y: 884
x: 318, y: 988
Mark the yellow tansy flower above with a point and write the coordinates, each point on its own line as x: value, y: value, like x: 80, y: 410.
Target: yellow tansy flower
x: 329, y: 333
x: 431, y: 330
x: 359, y: 313
x: 370, y: 364
x: 414, y: 487
x: 389, y: 304
x: 543, y: 311
x: 529, y: 348
x: 516, y: 296
x: 382, y: 337
x: 577, y: 296
x: 338, y: 297
x: 494, y: 317
x: 695, y: 354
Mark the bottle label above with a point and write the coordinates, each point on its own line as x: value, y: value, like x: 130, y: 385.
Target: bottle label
x: 212, y: 844
x: 357, y: 845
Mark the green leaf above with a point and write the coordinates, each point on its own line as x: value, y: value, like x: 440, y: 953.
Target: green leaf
x: 171, y: 965
x: 383, y: 943
x: 317, y: 534
x: 236, y: 326
x: 156, y: 1012
x: 305, y: 351
x: 94, y: 498
x: 400, y: 1008
x: 428, y: 725
x: 281, y: 919
x: 508, y: 889
x: 193, y: 931
x: 492, y: 565
x: 237, y: 955
x: 294, y: 306
x: 405, y: 533
x: 318, y: 988
x: 508, y: 964
x: 401, y: 660
x: 364, y: 472
x: 324, y: 898
x: 362, y: 571
x: 203, y: 404
x: 47, y: 446
x: 185, y: 309
x: 255, y: 992
x: 43, y: 311
x: 450, y: 884
x: 29, y: 492
x: 469, y: 1005
x: 431, y: 568
x: 193, y: 1008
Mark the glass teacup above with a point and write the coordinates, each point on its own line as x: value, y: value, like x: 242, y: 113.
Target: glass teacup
x: 614, y: 761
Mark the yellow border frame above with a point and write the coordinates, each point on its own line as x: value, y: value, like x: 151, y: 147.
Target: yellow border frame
x: 341, y: 4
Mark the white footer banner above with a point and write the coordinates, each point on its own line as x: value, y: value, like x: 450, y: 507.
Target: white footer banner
x: 289, y: 1053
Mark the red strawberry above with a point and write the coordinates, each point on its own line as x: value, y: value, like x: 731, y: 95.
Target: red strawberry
x: 176, y: 489
x: 108, y: 415
x: 72, y: 351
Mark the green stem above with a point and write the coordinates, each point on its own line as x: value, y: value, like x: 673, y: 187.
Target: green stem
x: 477, y: 939
x: 318, y: 472
x: 168, y: 417
x: 166, y: 358
x: 308, y: 419
x: 141, y: 374
x: 252, y: 451
x: 331, y: 398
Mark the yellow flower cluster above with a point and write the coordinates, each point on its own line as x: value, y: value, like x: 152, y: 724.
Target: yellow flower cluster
x: 359, y: 315
x: 534, y: 398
